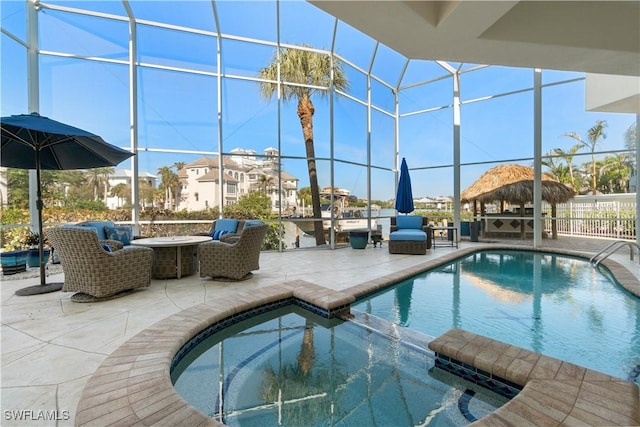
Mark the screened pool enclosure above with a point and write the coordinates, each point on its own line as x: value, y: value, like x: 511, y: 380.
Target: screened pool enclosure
x: 210, y: 97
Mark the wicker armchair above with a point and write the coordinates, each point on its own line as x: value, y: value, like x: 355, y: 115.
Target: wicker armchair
x: 410, y: 234
x: 233, y: 259
x: 93, y: 272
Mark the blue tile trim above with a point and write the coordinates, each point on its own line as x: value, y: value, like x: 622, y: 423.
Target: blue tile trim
x: 463, y: 405
x: 327, y: 314
x: 249, y: 313
x: 478, y: 376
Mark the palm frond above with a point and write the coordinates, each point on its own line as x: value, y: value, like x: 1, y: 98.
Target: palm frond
x: 300, y: 68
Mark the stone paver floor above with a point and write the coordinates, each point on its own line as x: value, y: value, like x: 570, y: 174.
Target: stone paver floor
x: 52, y: 347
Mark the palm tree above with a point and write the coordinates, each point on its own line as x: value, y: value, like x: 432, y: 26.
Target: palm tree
x: 98, y: 177
x: 106, y: 172
x: 302, y: 68
x: 147, y: 193
x: 630, y: 137
x: 265, y: 181
x: 121, y: 192
x: 593, y: 137
x: 614, y: 173
x: 568, y: 156
x: 556, y: 170
x: 168, y: 181
x: 178, y: 188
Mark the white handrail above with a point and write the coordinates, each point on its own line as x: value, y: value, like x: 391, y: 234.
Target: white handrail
x: 614, y: 246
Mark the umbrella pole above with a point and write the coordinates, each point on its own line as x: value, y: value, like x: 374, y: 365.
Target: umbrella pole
x: 43, y: 277
x: 42, y: 288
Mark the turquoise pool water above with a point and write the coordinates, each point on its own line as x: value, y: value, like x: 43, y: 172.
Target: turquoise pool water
x: 556, y: 305
x: 289, y: 367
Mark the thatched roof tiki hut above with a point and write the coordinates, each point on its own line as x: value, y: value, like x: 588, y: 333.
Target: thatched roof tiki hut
x: 514, y: 184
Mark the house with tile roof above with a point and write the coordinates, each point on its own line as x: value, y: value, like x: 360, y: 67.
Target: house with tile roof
x: 243, y: 172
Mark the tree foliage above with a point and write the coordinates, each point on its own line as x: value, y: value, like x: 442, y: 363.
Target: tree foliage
x: 257, y: 205
x: 608, y: 175
x: 594, y: 135
x: 304, y: 68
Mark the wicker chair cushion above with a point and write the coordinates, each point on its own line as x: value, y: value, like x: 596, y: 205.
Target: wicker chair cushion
x: 98, y: 226
x: 120, y: 233
x: 226, y: 225
x: 408, y: 234
x: 409, y: 221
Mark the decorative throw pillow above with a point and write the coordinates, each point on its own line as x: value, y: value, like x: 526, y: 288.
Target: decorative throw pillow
x: 121, y: 233
x: 228, y: 224
x: 218, y: 233
x: 106, y: 247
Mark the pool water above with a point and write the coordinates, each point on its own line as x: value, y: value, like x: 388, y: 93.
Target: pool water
x: 556, y: 305
x: 289, y: 367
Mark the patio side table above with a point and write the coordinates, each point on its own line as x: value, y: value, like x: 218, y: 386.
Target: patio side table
x: 450, y: 239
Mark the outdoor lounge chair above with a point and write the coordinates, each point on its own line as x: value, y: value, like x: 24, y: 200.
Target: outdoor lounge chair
x: 109, y: 232
x: 233, y: 259
x: 94, y: 270
x: 223, y: 228
x: 409, y: 234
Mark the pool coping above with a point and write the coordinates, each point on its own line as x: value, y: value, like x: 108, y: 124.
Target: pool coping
x: 553, y: 392
x: 133, y: 386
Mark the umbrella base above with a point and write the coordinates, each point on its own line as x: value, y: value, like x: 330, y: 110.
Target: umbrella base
x: 82, y: 297
x: 248, y: 276
x: 39, y: 289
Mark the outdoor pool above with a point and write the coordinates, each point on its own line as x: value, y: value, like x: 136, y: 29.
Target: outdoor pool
x: 289, y: 367
x: 556, y: 305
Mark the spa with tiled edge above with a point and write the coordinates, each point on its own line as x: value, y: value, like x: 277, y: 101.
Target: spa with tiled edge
x: 133, y: 385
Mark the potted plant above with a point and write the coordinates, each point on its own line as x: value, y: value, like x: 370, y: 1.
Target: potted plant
x: 33, y: 241
x: 14, y: 261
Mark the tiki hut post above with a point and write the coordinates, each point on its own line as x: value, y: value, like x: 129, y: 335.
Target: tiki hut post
x: 523, y: 234
x: 554, y: 224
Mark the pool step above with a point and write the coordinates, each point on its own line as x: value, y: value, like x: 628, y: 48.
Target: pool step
x: 416, y: 340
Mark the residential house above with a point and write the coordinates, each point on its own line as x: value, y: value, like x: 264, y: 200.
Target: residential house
x: 115, y: 200
x: 243, y: 172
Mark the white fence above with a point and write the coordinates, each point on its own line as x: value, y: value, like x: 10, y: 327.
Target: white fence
x: 605, y: 219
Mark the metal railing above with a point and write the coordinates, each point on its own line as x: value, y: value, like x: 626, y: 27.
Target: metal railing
x: 611, y: 248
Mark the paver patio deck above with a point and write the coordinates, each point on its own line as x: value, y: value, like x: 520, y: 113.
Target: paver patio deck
x: 52, y: 348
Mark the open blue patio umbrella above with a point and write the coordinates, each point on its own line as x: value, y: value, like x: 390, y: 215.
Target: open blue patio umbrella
x: 404, y: 197
x: 32, y: 141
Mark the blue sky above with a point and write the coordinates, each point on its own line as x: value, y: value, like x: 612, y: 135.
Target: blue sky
x: 178, y: 110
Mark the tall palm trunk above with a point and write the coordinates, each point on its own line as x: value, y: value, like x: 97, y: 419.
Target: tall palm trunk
x: 305, y: 113
x: 105, y: 191
x: 307, y: 350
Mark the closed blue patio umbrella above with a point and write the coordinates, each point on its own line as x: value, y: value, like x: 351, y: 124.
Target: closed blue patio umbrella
x: 404, y: 197
x: 32, y: 141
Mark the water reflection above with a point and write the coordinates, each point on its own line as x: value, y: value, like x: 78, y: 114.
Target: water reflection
x: 300, y: 370
x: 403, y: 302
x: 552, y: 304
